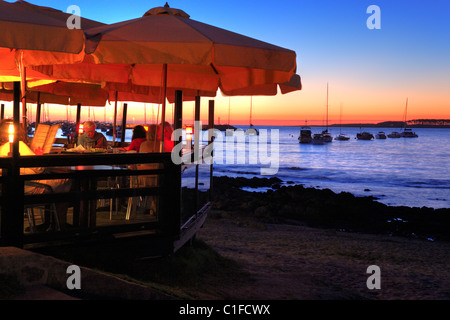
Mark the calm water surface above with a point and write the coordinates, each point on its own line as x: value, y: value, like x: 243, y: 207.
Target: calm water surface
x: 411, y: 172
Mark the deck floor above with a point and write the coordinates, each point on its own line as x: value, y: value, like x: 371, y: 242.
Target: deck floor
x: 104, y: 216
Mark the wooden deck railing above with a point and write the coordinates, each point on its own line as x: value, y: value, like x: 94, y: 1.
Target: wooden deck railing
x: 13, y: 198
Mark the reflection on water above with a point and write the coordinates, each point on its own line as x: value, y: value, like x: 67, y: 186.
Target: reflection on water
x: 410, y: 172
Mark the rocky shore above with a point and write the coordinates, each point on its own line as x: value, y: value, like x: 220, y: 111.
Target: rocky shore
x: 324, y: 208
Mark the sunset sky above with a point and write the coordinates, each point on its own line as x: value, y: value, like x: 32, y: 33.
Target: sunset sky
x: 370, y: 72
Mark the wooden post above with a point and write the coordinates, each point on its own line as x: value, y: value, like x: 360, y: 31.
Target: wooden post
x: 77, y: 123
x: 115, y: 120
x: 16, y: 118
x: 175, y: 220
x: 124, y: 123
x: 38, y: 109
x: 170, y: 219
x: 23, y: 91
x: 178, y: 112
x: 197, y: 132
x: 211, y: 141
x: 2, y: 112
x: 12, y: 216
x: 163, y: 107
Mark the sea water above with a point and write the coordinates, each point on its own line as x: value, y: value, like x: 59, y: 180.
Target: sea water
x: 412, y: 172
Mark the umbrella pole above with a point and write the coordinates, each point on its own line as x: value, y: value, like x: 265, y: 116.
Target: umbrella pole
x: 16, y: 120
x: 163, y: 111
x: 12, y: 211
x: 38, y: 108
x: 23, y: 99
x: 197, y: 131
x: 124, y: 123
x: 115, y: 120
x: 77, y: 124
x: 211, y: 142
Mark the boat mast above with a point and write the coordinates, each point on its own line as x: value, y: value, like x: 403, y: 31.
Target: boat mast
x: 406, y: 112
x: 327, y: 106
x: 229, y: 108
x: 251, y: 104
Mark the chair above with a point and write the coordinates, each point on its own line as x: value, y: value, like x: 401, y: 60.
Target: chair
x: 108, y: 183
x: 143, y: 181
x: 132, y: 201
x: 35, y: 188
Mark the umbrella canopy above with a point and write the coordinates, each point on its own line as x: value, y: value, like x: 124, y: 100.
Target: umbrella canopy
x: 40, y: 34
x: 63, y: 93
x: 169, y: 36
x: 35, y: 35
x: 83, y: 93
x: 46, y: 97
x: 151, y: 94
x: 166, y: 43
x: 268, y: 89
x: 165, y: 49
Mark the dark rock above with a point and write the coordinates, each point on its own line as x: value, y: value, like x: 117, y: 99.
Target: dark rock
x: 324, y: 208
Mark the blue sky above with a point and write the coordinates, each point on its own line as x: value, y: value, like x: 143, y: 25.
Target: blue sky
x: 369, y: 71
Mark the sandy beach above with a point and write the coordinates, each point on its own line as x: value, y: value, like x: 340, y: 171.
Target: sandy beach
x: 287, y: 258
x: 287, y: 262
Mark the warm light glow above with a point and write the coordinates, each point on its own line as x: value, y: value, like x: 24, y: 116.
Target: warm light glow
x: 189, y: 132
x: 24, y: 150
x: 11, y: 133
x: 80, y: 129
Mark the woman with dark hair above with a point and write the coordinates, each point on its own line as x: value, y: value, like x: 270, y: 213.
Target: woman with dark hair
x: 139, y: 136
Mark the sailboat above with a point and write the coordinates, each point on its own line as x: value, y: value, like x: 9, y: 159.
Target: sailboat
x: 380, y: 135
x: 407, y: 132
x: 364, y: 136
x: 394, y: 134
x: 317, y: 138
x: 341, y: 136
x: 252, y: 131
x: 325, y: 134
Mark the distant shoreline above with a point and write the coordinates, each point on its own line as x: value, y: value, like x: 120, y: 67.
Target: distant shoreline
x: 395, y: 125
x: 420, y: 123
x: 371, y: 125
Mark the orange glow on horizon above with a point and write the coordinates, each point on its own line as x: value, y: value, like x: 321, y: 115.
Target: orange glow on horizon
x: 347, y: 104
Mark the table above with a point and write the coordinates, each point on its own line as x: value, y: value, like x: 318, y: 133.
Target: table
x: 84, y: 213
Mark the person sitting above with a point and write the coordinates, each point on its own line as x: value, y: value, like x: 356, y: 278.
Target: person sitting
x: 92, y: 138
x: 168, y: 131
x: 152, y: 144
x: 138, y: 137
